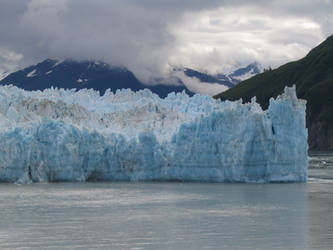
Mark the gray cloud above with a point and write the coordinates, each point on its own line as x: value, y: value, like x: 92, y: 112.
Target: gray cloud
x: 150, y: 36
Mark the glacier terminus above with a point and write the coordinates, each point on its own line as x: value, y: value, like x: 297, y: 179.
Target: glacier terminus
x: 68, y: 135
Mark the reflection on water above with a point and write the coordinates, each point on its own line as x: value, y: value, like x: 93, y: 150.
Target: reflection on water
x: 165, y: 216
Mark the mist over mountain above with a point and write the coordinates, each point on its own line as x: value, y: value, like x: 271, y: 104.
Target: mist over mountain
x: 100, y: 76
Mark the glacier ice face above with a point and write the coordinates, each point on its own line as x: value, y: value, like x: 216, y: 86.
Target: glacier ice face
x: 63, y: 135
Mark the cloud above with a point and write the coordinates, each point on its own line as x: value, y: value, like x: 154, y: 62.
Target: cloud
x: 220, y: 39
x: 196, y: 86
x: 150, y: 37
x: 9, y: 61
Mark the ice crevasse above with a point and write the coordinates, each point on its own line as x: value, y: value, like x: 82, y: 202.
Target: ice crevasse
x: 68, y: 135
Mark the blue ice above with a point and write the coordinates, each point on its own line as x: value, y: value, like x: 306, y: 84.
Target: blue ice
x: 68, y: 135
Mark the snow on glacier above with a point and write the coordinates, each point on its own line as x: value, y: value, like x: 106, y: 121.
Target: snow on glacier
x: 64, y: 135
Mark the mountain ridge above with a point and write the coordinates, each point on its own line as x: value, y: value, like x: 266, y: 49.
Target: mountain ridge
x: 71, y: 74
x: 100, y: 76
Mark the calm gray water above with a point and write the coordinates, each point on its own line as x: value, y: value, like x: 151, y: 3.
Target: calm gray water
x: 167, y: 216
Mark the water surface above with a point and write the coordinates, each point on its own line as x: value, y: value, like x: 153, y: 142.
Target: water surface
x: 171, y: 215
x: 166, y: 216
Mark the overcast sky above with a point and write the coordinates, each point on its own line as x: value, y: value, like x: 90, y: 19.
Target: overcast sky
x: 150, y: 36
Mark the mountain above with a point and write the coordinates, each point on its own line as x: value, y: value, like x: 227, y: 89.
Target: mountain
x: 313, y: 77
x: 70, y: 74
x: 100, y: 76
x: 204, y: 77
x: 229, y: 80
x: 244, y: 73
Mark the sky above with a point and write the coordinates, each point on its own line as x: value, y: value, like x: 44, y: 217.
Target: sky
x: 150, y: 37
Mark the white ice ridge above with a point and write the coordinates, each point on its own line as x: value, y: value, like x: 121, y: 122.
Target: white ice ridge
x: 63, y: 135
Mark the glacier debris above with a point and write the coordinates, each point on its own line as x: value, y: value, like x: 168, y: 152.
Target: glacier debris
x: 64, y: 135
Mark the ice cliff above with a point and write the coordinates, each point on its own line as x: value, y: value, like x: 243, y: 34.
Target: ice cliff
x: 63, y: 135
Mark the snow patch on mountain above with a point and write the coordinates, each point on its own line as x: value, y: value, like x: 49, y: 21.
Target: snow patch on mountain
x: 80, y: 80
x: 57, y: 62
x: 3, y: 75
x: 32, y: 73
x: 245, y: 76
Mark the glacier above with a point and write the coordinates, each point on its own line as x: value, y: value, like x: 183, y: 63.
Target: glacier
x: 67, y: 135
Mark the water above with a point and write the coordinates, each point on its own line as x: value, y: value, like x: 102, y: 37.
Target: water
x: 167, y: 215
